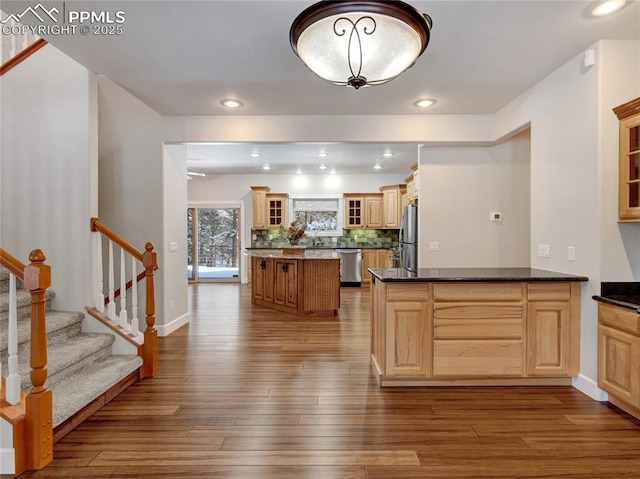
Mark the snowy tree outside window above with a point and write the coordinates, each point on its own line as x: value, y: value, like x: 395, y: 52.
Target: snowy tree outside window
x: 321, y: 215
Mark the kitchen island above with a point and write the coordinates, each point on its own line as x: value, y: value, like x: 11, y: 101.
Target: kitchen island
x: 296, y: 281
x: 475, y: 326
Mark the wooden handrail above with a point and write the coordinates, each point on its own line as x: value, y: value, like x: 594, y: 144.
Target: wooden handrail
x: 96, y: 225
x: 149, y: 350
x: 37, y: 443
x: 22, y: 56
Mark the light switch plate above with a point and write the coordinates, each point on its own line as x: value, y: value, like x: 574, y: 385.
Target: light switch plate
x: 544, y: 251
x: 434, y: 246
x: 173, y: 246
x: 571, y: 253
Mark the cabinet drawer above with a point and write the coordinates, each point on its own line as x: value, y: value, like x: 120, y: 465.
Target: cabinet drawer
x: 407, y: 292
x: 619, y: 318
x: 478, y: 292
x: 478, y: 321
x: 549, y: 291
x: 478, y: 358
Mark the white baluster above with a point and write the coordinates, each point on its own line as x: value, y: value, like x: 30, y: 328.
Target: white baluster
x: 111, y: 309
x: 124, y: 323
x: 99, y: 278
x: 13, y: 380
x: 14, y: 46
x: 25, y: 41
x: 135, y: 328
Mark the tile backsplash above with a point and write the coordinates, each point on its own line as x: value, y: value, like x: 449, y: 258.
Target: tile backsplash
x: 352, y: 238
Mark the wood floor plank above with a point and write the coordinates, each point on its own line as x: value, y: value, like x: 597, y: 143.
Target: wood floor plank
x: 248, y: 392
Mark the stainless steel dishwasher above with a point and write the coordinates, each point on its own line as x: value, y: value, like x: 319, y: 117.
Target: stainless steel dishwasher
x: 350, y: 267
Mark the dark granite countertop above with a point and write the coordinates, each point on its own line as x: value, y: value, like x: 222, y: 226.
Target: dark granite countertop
x: 625, y: 294
x: 428, y: 275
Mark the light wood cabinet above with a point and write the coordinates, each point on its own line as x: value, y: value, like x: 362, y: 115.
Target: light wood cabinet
x: 464, y: 333
x: 286, y: 283
x: 276, y: 204
x: 392, y: 205
x: 629, y: 161
x: 619, y: 356
x: 262, y: 279
x: 551, y: 320
x: 259, y: 196
x: 374, y: 258
x: 363, y: 210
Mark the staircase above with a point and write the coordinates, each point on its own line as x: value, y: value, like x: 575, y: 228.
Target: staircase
x: 81, y: 366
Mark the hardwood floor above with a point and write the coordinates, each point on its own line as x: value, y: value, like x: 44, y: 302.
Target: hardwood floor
x: 247, y: 392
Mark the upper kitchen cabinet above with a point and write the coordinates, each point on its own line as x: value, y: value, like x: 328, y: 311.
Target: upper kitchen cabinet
x: 629, y: 161
x: 276, y: 209
x: 412, y: 185
x: 363, y: 210
x: 269, y: 209
x: 392, y: 205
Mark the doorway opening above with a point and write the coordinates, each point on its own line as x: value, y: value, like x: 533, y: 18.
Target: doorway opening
x: 213, y: 244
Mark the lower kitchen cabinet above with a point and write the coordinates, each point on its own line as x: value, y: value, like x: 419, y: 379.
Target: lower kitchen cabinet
x: 296, y: 285
x: 374, y: 258
x: 451, y: 333
x: 619, y: 356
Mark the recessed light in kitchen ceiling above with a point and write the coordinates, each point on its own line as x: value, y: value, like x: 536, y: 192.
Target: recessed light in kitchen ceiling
x: 231, y: 103
x: 323, y: 154
x: 387, y: 154
x: 322, y: 167
x: 255, y: 155
x: 377, y: 166
x: 424, y: 103
x: 332, y: 172
x: 607, y: 7
x: 266, y: 167
x: 298, y: 171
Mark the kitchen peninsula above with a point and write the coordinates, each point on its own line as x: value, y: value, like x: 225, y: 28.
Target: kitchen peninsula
x: 483, y: 326
x: 296, y: 281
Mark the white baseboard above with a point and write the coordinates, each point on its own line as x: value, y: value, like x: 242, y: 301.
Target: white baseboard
x: 589, y: 387
x: 167, y: 329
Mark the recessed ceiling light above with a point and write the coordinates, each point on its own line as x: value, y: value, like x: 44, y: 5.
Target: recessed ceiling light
x: 323, y: 154
x: 387, y: 154
x: 607, y: 7
x: 322, y: 167
x: 266, y: 167
x: 231, y: 103
x: 298, y: 171
x: 255, y: 155
x: 332, y: 172
x: 424, y: 103
x: 377, y: 166
x: 195, y: 173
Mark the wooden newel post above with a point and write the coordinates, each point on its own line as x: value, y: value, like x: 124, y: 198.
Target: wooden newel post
x: 39, y: 402
x: 150, y: 347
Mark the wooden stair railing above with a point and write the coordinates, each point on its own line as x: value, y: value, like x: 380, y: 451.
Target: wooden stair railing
x: 16, y: 43
x: 32, y: 415
x: 126, y: 326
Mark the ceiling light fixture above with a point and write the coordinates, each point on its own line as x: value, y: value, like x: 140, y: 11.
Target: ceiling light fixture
x: 360, y: 43
x: 424, y: 103
x: 322, y: 167
x: 195, y: 173
x: 332, y: 172
x: 231, y: 103
x: 298, y: 171
x: 377, y: 166
x: 323, y: 154
x: 255, y: 155
x: 607, y: 7
x: 266, y: 167
x: 387, y: 154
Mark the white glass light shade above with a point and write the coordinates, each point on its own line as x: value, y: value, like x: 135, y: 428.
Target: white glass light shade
x: 358, y: 43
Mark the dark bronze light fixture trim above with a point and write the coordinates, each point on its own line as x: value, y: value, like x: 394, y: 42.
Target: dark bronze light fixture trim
x: 356, y: 29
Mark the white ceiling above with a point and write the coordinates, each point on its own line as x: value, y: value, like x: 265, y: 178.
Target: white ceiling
x: 183, y: 57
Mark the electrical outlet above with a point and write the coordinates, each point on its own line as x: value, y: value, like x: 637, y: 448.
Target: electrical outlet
x: 544, y: 251
x: 173, y: 246
x: 571, y: 253
x: 434, y: 246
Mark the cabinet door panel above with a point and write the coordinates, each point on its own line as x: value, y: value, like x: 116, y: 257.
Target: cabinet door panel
x: 548, y: 338
x: 257, y: 280
x: 619, y: 364
x: 268, y: 280
x: 373, y: 212
x: 408, y: 338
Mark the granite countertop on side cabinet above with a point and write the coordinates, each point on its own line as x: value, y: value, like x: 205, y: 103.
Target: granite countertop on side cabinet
x: 624, y: 294
x: 429, y: 275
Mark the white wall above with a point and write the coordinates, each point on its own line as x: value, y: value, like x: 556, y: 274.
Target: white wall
x: 131, y: 179
x: 459, y: 188
x: 566, y: 114
x: 225, y: 188
x: 175, y: 228
x: 49, y: 157
x: 620, y: 82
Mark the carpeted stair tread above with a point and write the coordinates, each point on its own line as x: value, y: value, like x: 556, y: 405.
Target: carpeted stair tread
x: 76, y: 391
x: 23, y: 301
x: 68, y: 356
x: 56, y: 323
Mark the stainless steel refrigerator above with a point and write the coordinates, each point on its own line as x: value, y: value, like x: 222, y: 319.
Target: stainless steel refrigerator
x: 409, y: 238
